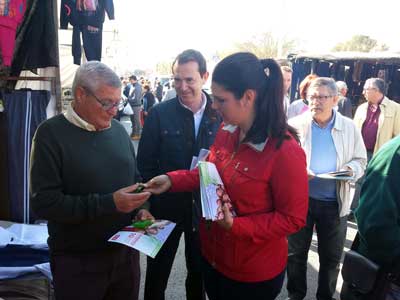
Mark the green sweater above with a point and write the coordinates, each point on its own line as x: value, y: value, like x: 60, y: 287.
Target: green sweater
x: 378, y: 215
x: 74, y: 173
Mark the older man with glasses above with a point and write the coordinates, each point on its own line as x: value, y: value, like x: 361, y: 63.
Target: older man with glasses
x: 83, y: 173
x: 378, y: 118
x: 379, y: 121
x: 332, y: 143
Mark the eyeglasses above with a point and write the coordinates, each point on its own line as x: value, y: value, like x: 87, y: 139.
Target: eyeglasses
x: 369, y: 89
x: 106, y: 105
x: 319, y: 98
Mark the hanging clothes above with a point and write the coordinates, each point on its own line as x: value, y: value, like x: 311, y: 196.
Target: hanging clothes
x: 11, y: 15
x: 24, y: 111
x: 4, y: 205
x: 87, y: 17
x: 301, y: 68
x: 323, y: 69
x: 92, y: 42
x: 36, y: 43
x: 85, y: 12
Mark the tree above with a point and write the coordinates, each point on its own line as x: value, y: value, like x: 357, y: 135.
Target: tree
x: 361, y: 43
x: 139, y: 72
x: 164, y: 67
x: 263, y: 46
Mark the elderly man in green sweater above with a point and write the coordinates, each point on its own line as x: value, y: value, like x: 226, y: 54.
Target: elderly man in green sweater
x: 83, y: 173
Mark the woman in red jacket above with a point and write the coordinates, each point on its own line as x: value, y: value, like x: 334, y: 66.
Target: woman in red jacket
x: 263, y: 169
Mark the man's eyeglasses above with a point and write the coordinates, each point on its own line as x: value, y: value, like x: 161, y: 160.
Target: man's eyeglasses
x: 319, y: 98
x: 369, y: 89
x: 106, y: 105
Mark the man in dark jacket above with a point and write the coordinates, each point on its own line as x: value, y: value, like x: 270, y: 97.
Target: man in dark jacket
x: 345, y: 107
x: 133, y: 91
x: 174, y: 132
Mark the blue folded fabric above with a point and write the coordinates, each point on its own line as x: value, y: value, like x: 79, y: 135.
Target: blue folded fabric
x: 22, y: 256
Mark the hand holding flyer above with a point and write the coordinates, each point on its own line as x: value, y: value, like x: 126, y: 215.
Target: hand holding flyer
x: 213, y: 193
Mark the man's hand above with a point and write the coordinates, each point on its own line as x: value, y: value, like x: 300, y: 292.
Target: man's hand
x: 347, y: 168
x: 126, y: 201
x: 227, y: 221
x: 310, y: 174
x: 144, y: 214
x: 158, y: 184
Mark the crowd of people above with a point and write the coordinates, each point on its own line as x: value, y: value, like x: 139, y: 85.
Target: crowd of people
x: 270, y: 155
x: 141, y: 95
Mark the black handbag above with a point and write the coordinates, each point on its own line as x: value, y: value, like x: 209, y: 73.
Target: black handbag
x: 359, y: 274
x: 365, y: 280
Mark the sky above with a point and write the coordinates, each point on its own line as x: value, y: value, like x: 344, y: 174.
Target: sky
x: 157, y: 30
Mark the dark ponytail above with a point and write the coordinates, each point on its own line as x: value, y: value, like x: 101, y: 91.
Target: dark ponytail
x: 242, y: 71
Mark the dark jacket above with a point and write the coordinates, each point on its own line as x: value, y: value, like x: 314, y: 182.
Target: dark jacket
x: 168, y: 143
x: 379, y: 211
x: 345, y: 107
x: 148, y: 101
x: 36, y: 44
x: 77, y: 14
x: 135, y: 98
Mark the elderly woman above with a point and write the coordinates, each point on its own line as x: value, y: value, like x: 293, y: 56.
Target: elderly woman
x: 300, y: 106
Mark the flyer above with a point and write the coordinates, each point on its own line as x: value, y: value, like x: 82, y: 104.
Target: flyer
x: 213, y: 193
x: 147, y: 239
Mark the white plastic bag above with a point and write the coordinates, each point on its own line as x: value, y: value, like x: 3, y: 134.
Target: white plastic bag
x: 128, y: 109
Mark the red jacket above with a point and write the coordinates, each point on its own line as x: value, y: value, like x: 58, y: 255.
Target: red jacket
x: 268, y: 188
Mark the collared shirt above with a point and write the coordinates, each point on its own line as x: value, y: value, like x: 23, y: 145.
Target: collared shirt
x: 258, y: 147
x: 323, y: 160
x: 197, y: 116
x: 370, y: 126
x: 75, y: 119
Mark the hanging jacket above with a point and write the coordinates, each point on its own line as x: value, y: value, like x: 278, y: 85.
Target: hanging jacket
x: 36, y: 43
x: 11, y: 15
x: 85, y: 12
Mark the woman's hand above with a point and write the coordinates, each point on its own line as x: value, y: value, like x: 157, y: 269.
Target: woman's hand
x: 158, y: 185
x: 227, y: 221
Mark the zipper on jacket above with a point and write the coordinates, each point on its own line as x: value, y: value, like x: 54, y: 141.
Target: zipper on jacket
x: 229, y: 161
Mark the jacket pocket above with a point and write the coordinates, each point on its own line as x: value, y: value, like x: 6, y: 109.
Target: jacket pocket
x: 172, y: 140
x: 248, y: 189
x: 244, y: 175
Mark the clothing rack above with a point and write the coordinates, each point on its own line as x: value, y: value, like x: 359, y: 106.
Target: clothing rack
x: 28, y: 78
x: 31, y: 78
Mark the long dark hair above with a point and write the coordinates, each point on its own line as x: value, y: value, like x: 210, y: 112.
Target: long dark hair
x: 243, y: 71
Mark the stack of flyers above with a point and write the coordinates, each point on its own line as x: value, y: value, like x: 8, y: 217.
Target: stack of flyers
x: 213, y: 194
x: 337, y: 175
x: 145, y: 236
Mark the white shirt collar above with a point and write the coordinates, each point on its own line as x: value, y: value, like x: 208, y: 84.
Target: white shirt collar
x: 203, y: 104
x: 197, y: 116
x: 73, y: 118
x: 258, y: 147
